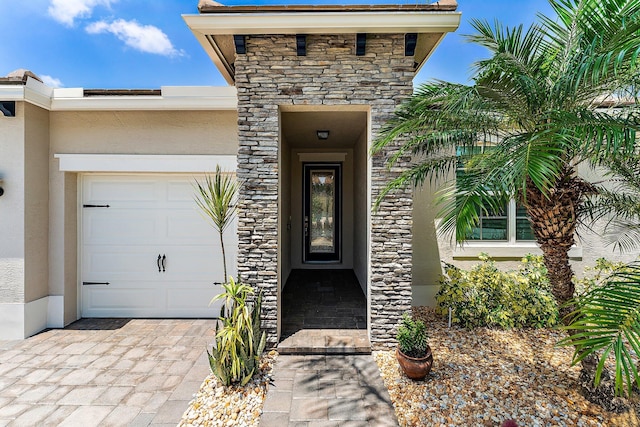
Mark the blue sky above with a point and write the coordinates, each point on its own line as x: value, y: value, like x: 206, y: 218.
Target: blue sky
x: 146, y: 44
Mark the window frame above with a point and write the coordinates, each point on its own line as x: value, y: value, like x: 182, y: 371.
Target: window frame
x: 511, y: 208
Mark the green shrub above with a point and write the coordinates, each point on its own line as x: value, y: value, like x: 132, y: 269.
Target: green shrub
x: 239, y: 341
x: 487, y: 296
x: 412, y: 337
x: 595, y: 276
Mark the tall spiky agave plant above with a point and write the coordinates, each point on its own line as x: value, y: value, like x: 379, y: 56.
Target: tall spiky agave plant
x: 239, y: 340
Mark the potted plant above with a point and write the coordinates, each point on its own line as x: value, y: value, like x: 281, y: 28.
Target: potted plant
x: 413, y: 352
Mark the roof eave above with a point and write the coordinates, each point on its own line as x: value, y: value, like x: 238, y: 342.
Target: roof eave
x: 208, y: 98
x: 334, y: 22
x: 324, y: 23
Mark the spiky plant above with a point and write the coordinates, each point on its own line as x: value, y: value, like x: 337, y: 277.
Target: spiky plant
x: 216, y: 197
x: 239, y: 340
x: 412, y: 337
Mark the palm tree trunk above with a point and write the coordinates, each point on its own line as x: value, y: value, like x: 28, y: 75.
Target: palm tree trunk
x: 553, y: 221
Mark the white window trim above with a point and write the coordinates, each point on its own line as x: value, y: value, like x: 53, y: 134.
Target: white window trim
x: 506, y: 249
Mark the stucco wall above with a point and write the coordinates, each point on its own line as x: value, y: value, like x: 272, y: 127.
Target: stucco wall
x: 271, y: 75
x: 427, y: 250
x: 12, y: 206
x: 117, y: 132
x: 145, y: 132
x: 36, y: 178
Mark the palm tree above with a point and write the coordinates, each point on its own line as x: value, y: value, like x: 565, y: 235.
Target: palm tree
x: 534, y: 103
x: 216, y: 198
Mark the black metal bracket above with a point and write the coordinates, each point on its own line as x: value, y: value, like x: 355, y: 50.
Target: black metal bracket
x: 361, y: 44
x: 410, y: 41
x: 240, y: 43
x: 301, y: 44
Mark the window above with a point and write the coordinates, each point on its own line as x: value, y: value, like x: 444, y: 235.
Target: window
x: 492, y: 226
x: 510, y: 225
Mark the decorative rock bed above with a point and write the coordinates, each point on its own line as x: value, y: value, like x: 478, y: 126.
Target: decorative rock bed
x: 479, y: 378
x: 218, y: 406
x: 484, y: 377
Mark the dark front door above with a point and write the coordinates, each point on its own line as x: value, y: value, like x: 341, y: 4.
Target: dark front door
x: 322, y: 212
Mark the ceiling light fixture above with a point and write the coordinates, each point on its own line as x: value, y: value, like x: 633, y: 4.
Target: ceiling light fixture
x: 322, y: 134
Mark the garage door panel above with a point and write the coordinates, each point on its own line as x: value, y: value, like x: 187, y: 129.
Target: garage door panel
x: 103, y: 226
x: 183, y: 298
x: 184, y: 226
x: 198, y: 263
x: 113, y: 262
x: 182, y: 192
x: 149, y: 215
x: 118, y: 190
x: 118, y: 300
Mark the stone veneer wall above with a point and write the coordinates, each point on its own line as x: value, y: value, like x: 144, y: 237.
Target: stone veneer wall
x: 270, y: 75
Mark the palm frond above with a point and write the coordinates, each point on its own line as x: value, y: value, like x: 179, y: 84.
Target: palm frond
x: 462, y: 201
x: 607, y: 321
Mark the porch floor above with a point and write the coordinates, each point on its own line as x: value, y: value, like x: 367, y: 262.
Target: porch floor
x: 324, y: 312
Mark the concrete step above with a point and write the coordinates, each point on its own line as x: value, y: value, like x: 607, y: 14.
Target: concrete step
x: 326, y: 341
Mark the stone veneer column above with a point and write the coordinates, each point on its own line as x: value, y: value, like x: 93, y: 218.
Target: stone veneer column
x: 270, y: 75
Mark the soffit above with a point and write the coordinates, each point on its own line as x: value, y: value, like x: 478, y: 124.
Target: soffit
x: 216, y: 25
x: 345, y: 128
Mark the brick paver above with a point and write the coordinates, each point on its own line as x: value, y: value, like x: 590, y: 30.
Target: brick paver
x: 327, y: 390
x: 106, y: 372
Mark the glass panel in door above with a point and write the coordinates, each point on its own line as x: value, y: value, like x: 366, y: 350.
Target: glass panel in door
x: 321, y: 216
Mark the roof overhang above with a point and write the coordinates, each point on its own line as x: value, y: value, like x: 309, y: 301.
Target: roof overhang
x: 209, y: 98
x: 216, y: 25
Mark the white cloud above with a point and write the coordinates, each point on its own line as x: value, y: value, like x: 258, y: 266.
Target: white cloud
x: 65, y: 11
x: 145, y: 38
x: 51, y: 81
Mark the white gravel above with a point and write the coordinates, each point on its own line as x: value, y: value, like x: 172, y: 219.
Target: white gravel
x: 217, y: 406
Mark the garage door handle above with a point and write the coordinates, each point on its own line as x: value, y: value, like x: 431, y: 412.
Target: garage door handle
x: 159, y: 258
x: 164, y: 259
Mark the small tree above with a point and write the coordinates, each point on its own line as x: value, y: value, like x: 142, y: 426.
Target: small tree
x: 216, y: 197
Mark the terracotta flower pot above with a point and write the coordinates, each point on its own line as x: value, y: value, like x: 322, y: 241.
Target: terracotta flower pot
x: 415, y: 368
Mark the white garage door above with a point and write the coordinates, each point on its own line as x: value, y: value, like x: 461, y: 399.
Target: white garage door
x: 147, y: 251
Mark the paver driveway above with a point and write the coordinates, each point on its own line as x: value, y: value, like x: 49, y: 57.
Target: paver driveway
x: 107, y: 372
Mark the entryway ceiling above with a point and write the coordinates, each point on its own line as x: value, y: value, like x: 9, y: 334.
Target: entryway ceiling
x: 345, y: 128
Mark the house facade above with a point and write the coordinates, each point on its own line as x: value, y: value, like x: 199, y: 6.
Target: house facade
x: 98, y: 212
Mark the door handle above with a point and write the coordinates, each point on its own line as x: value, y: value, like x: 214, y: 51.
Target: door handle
x: 306, y: 226
x: 164, y: 259
x: 159, y: 258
